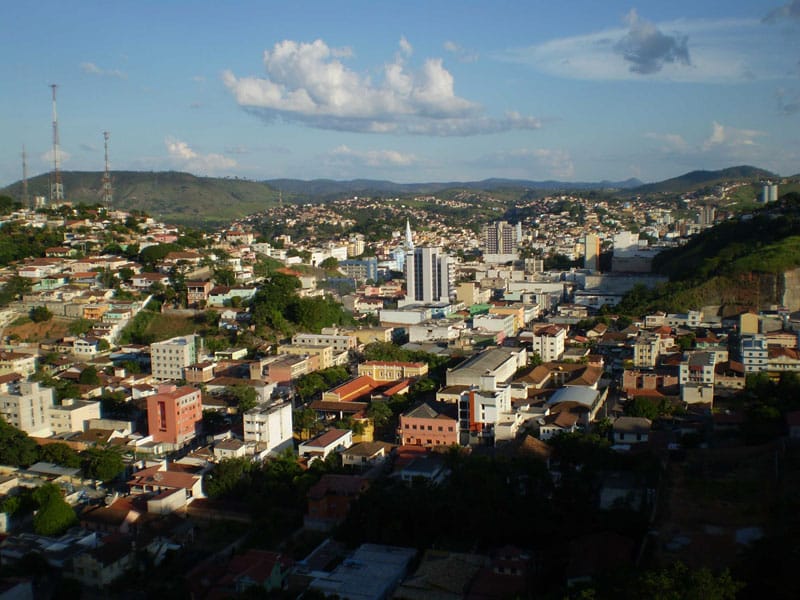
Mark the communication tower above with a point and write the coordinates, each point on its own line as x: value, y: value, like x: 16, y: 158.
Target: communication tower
x: 107, y: 195
x: 56, y: 187
x: 25, y: 198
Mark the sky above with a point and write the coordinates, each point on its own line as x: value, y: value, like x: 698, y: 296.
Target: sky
x: 411, y: 91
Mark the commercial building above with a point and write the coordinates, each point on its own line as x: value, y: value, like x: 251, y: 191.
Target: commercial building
x: 427, y: 276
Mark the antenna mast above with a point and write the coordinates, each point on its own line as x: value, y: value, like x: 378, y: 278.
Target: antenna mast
x: 25, y: 198
x: 56, y: 187
x: 107, y: 195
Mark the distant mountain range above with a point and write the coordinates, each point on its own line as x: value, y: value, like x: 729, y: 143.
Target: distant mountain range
x: 185, y: 198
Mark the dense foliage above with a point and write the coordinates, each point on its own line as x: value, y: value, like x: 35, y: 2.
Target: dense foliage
x: 54, y: 515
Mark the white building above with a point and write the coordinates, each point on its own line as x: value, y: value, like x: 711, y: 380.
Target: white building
x: 29, y: 410
x: 548, y: 342
x: 755, y: 352
x: 696, y: 376
x: 427, y: 276
x: 340, y: 341
x: 269, y: 426
x: 72, y: 415
x: 168, y: 358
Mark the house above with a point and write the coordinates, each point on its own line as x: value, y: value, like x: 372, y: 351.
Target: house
x: 170, y: 488
x: 333, y: 440
x: 428, y: 467
x: 631, y: 430
x: 231, y: 448
x: 365, y: 455
x: 329, y: 499
x: 99, y: 566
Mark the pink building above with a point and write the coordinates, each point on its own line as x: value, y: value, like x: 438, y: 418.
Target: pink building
x: 428, y: 426
x: 173, y: 414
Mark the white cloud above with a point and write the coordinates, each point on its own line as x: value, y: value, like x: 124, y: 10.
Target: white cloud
x: 346, y: 156
x: 307, y: 83
x: 183, y: 157
x: 788, y: 101
x: 405, y: 47
x: 722, y: 51
x: 731, y: 138
x: 63, y: 157
x: 93, y: 69
x: 460, y: 53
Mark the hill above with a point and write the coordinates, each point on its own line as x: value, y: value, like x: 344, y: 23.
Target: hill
x: 697, y: 179
x: 175, y: 197
x: 749, y: 262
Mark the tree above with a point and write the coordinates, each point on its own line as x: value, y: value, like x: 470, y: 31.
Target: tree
x: 80, y: 326
x: 246, y: 397
x: 329, y: 264
x: 102, y: 463
x: 89, y: 376
x: 379, y: 412
x: 16, y: 448
x: 40, y: 314
x: 224, y: 276
x: 59, y: 454
x: 54, y: 515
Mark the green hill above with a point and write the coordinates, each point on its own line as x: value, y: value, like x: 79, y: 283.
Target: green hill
x: 175, y: 197
x: 741, y: 263
x: 698, y: 179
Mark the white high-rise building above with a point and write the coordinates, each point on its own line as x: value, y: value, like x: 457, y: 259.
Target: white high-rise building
x: 270, y: 426
x: 591, y: 252
x: 427, y: 276
x: 29, y: 410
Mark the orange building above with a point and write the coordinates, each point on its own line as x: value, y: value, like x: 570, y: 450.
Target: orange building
x: 174, y: 414
x: 428, y: 426
x: 385, y: 371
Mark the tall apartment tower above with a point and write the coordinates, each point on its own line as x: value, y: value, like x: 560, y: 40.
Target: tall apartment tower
x: 174, y: 415
x: 591, y: 252
x: 427, y: 276
x: 499, y: 237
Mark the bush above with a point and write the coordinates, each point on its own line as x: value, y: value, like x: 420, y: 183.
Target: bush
x: 40, y: 314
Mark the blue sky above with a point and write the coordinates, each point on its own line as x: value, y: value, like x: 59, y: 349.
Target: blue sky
x: 408, y: 91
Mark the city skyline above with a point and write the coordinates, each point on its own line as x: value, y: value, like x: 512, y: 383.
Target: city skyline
x: 408, y: 92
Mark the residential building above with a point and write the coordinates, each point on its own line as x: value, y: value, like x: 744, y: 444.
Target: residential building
x: 631, y: 430
x: 330, y: 336
x: 269, y: 426
x: 591, y: 252
x: 427, y: 276
x: 499, y: 241
x: 488, y: 369
x: 323, y: 353
x: 29, y: 408
x: 754, y: 351
x: 72, y: 415
x: 548, y: 342
x: 333, y: 440
x: 197, y: 292
x: 17, y: 362
x: 361, y: 270
x: 329, y: 499
x: 174, y: 415
x: 365, y: 455
x: 646, y: 350
x: 429, y: 426
x: 169, y: 358
x: 696, y: 377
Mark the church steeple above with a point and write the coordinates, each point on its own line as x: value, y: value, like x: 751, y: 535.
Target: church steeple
x: 409, y: 243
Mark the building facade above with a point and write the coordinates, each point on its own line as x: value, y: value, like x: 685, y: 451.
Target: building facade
x: 169, y: 358
x: 427, y: 276
x: 174, y: 415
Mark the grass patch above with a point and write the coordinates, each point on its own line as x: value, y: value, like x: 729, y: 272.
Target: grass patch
x: 166, y: 326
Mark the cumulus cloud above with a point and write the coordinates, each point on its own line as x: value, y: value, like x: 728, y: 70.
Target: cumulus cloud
x: 92, y: 69
x: 730, y: 137
x: 787, y: 11
x: 647, y: 48
x: 182, y: 156
x: 63, y: 157
x: 460, y: 53
x: 308, y: 83
x: 345, y: 156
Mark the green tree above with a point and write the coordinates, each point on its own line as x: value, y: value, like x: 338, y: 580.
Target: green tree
x: 227, y: 476
x: 329, y: 264
x: 102, y: 463
x: 59, y: 454
x: 89, y: 376
x: 246, y: 397
x: 40, y: 314
x: 379, y: 413
x: 16, y: 448
x: 224, y: 276
x: 80, y: 326
x: 54, y: 515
